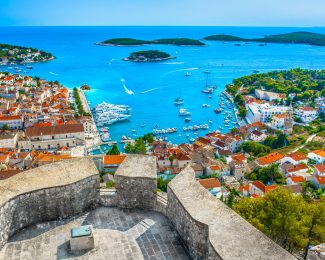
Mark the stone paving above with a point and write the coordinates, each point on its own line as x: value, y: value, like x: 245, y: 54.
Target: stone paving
x: 119, y: 234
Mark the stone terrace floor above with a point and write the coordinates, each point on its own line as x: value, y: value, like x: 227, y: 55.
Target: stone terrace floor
x: 119, y: 234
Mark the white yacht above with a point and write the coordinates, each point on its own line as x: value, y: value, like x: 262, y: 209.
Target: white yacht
x: 184, y: 112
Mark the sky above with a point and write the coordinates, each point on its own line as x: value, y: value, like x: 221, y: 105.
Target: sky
x: 162, y: 12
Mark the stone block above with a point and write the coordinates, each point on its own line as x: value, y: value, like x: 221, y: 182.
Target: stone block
x: 81, y: 240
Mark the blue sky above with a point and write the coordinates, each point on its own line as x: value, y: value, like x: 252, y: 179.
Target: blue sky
x: 163, y: 12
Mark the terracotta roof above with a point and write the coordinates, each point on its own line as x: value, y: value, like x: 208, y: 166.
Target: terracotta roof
x: 215, y: 167
x: 256, y: 132
x: 298, y: 167
x: 297, y: 179
x: 7, y: 174
x: 320, y: 180
x: 210, y: 183
x: 280, y: 116
x: 307, y: 108
x: 238, y: 157
x: 264, y: 188
x: 5, y: 118
x: 254, y: 196
x: 242, y: 188
x: 270, y: 158
x: 297, y: 156
x: 320, y: 167
x: 53, y: 130
x: 3, y: 158
x: 113, y: 159
x: 319, y: 152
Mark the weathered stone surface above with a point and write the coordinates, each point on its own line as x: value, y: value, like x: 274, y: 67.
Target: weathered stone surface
x: 136, y: 182
x: 49, y: 192
x: 121, y: 234
x: 210, y: 229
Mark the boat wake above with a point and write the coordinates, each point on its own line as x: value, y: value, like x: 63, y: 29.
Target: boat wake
x: 149, y: 90
x: 55, y: 74
x: 127, y: 91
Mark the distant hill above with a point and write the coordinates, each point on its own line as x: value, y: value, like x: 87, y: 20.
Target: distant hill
x: 135, y: 42
x: 294, y: 37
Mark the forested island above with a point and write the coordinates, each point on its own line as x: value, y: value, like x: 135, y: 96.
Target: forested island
x: 303, y: 84
x: 18, y: 54
x: 295, y: 38
x: 135, y: 42
x: 148, y: 56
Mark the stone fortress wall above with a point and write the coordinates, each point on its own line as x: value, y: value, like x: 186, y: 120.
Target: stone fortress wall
x: 209, y: 229
x: 49, y: 192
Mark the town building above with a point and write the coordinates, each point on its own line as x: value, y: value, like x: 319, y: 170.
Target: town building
x: 317, y: 155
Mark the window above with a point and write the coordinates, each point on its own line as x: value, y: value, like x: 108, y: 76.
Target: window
x: 52, y: 137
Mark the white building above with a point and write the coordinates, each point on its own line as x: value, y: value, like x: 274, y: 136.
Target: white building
x: 268, y: 95
x: 13, y: 122
x: 306, y: 114
x: 53, y: 137
x: 264, y: 112
x: 317, y: 155
x: 8, y: 140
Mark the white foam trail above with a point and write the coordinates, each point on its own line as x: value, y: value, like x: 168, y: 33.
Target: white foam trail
x: 149, y: 90
x: 127, y: 91
x: 53, y: 73
x: 188, y: 69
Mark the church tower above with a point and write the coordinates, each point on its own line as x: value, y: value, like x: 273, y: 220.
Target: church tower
x: 288, y: 121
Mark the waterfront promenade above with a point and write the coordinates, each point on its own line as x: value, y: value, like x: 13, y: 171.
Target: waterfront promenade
x: 95, y: 140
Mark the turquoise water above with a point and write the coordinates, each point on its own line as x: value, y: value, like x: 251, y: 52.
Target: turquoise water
x: 80, y: 61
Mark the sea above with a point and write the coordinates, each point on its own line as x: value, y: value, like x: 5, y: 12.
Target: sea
x: 156, y: 85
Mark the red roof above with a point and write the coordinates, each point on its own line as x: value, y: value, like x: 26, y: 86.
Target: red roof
x: 6, y: 118
x: 113, y: 159
x: 270, y: 158
x: 320, y: 180
x: 297, y: 156
x: 238, y: 157
x: 264, y: 188
x: 320, y: 167
x: 297, y: 179
x: 298, y: 167
x: 210, y: 183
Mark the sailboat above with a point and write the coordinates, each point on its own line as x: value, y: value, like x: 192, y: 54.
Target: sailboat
x: 208, y: 89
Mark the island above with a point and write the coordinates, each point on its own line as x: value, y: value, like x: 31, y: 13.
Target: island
x: 294, y: 38
x: 136, y: 42
x: 148, y: 56
x: 18, y: 54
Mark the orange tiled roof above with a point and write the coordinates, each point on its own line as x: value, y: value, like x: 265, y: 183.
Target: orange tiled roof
x: 238, y: 157
x: 319, y: 152
x: 215, y: 167
x: 298, y: 167
x: 320, y: 167
x: 114, y: 159
x: 5, y: 118
x: 297, y: 156
x: 320, y: 180
x: 210, y: 183
x: 270, y: 158
x: 297, y: 179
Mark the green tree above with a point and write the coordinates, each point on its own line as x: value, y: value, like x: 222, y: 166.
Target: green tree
x: 242, y: 112
x: 5, y: 127
x: 114, y: 150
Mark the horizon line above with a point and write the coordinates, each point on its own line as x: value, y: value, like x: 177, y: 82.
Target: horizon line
x: 261, y: 26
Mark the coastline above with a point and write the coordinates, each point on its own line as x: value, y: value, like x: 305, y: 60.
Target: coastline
x: 151, y: 60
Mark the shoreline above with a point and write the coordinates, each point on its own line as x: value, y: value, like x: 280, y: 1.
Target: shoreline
x: 151, y: 60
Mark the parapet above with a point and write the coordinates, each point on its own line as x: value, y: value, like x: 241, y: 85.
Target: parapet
x: 49, y: 192
x: 210, y: 229
x: 138, y: 166
x: 136, y: 182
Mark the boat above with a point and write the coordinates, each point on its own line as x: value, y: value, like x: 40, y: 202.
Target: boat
x: 142, y: 125
x: 192, y: 140
x: 211, y: 122
x: 187, y: 74
x: 208, y: 90
x: 187, y: 119
x: 237, y: 44
x: 133, y: 130
x: 256, y: 71
x: 218, y: 110
x: 105, y: 137
x: 210, y: 96
x: 29, y: 67
x: 184, y: 112
x: 178, y: 101
x: 205, y: 105
x: 106, y: 114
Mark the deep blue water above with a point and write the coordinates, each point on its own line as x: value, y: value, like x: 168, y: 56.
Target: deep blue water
x: 79, y: 61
